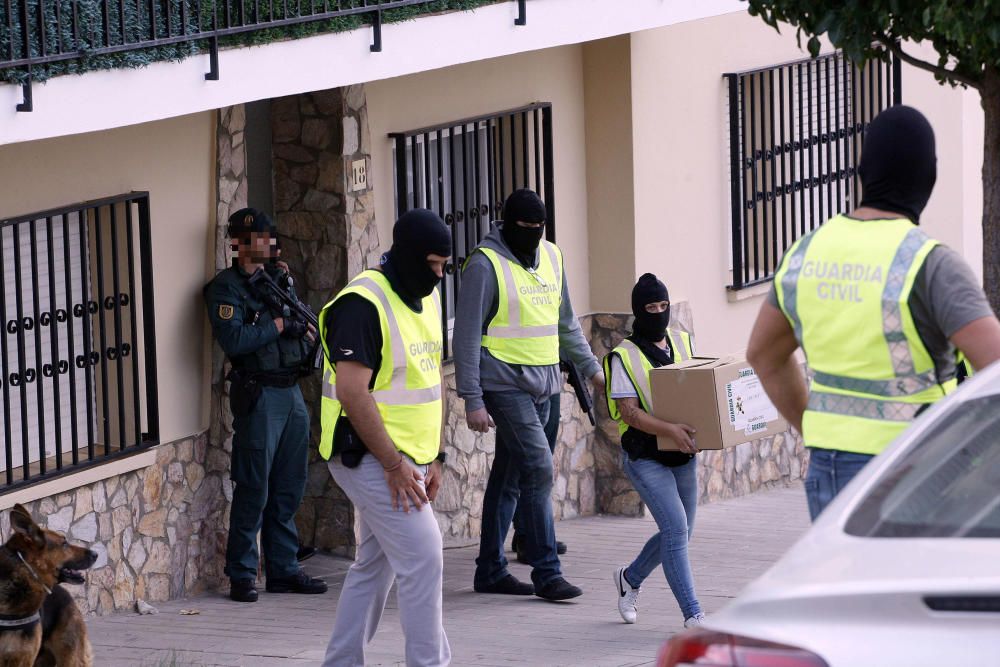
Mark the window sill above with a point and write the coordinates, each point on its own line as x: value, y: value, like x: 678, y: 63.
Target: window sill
x: 752, y: 292
x: 74, y: 480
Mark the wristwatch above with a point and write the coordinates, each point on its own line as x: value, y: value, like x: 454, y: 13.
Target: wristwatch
x: 442, y: 457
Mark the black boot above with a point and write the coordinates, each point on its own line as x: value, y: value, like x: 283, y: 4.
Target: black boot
x: 299, y: 582
x: 242, y: 590
x: 509, y: 585
x: 559, y: 589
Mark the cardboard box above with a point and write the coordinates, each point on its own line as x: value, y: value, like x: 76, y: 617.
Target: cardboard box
x: 722, y: 399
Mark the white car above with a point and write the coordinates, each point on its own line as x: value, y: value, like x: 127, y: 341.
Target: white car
x: 903, y: 568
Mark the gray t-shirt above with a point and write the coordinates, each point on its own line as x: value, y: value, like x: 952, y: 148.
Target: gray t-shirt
x: 621, y: 383
x: 946, y: 296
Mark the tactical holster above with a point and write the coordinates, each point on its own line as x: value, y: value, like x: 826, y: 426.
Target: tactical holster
x: 244, y: 391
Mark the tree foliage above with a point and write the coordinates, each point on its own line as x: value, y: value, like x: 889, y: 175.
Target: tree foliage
x: 965, y: 34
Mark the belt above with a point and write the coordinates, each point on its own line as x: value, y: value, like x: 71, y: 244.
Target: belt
x: 282, y: 380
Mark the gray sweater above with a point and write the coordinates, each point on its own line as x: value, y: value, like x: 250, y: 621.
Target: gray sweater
x: 476, y: 370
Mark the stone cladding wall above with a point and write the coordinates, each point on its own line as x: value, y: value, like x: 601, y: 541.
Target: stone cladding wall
x: 328, y: 235
x: 159, y: 532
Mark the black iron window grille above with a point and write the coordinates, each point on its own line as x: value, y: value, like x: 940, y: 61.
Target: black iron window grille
x: 78, y: 348
x: 795, y: 135
x: 464, y: 170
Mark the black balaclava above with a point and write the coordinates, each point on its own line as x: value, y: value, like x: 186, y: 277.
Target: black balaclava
x: 417, y: 233
x: 524, y: 205
x: 898, y: 165
x: 649, y: 326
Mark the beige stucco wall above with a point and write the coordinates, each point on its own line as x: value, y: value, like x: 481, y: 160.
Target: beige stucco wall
x: 430, y: 98
x: 173, y: 160
x: 680, y: 126
x: 607, y: 83
x: 954, y: 213
x: 682, y: 215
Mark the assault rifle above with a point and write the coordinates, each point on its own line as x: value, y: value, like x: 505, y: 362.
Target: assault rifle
x: 582, y: 392
x: 283, y: 302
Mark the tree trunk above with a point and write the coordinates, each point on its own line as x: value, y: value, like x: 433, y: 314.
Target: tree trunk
x: 991, y: 187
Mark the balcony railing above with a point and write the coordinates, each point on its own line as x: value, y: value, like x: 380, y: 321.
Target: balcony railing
x: 43, y: 38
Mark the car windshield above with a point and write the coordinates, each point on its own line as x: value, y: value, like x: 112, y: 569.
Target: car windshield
x: 948, y: 485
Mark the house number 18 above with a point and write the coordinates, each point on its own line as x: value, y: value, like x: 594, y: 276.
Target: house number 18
x: 359, y: 176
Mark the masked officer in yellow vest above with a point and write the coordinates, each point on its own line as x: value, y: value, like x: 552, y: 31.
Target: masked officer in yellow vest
x: 877, y: 306
x: 513, y: 319
x: 381, y: 417
x: 667, y: 481
x: 268, y: 353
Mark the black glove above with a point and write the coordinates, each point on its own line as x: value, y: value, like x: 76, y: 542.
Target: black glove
x: 295, y: 328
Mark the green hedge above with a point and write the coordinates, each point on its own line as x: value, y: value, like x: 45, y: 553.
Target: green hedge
x: 129, y: 21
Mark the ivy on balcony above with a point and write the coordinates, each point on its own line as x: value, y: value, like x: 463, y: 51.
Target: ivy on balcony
x: 40, y: 39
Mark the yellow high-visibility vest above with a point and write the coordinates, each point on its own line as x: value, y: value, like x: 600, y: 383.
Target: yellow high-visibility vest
x: 844, y: 289
x: 525, y: 329
x: 637, y: 366
x: 407, y: 388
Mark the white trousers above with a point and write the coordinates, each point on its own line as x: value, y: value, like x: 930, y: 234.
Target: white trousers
x: 394, y: 545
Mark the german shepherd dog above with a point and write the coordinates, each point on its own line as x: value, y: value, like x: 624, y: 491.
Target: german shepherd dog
x: 40, y: 624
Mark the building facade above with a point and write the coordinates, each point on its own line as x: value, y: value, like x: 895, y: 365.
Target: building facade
x: 118, y: 183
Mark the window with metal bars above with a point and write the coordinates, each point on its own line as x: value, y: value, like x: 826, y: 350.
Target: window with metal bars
x: 77, y: 348
x: 465, y: 169
x: 795, y: 135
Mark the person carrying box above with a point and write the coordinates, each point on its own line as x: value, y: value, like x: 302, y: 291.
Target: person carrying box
x: 667, y: 481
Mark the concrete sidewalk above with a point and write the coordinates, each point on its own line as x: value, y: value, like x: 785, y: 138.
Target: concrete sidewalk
x: 734, y: 541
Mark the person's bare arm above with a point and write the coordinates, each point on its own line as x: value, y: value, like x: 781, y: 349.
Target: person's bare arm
x: 633, y: 415
x: 352, y: 392
x: 979, y: 340
x: 771, y: 352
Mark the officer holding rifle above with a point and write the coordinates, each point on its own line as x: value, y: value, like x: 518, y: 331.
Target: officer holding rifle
x: 270, y: 340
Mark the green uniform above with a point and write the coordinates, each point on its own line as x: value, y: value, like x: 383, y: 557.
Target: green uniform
x: 270, y: 424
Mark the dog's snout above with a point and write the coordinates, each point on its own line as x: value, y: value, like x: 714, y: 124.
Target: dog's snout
x: 91, y: 557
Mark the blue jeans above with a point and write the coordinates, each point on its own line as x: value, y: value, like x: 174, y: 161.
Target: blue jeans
x: 551, y: 429
x: 521, y: 476
x: 829, y: 472
x: 671, y: 494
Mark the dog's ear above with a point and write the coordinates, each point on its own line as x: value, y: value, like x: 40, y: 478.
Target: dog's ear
x: 21, y: 522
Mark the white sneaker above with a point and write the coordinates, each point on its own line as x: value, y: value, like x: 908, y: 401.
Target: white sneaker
x: 628, y: 597
x: 695, y: 621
